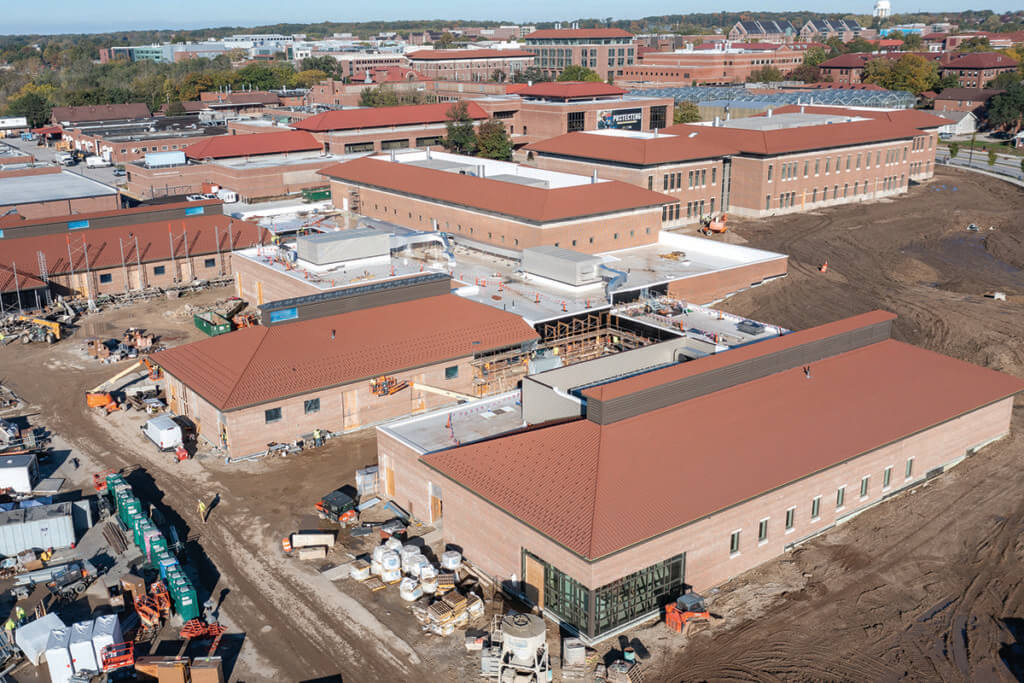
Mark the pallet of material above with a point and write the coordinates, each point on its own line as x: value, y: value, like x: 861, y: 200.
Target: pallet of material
x: 456, y: 601
x: 374, y: 584
x: 445, y: 582
x: 441, y: 612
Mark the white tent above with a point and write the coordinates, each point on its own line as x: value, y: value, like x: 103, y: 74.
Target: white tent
x: 32, y: 637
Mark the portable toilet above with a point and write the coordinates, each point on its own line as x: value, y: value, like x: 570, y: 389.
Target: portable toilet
x: 58, y: 655
x: 158, y: 546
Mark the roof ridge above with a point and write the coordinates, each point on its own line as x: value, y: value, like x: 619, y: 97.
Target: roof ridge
x: 593, y: 498
x: 231, y: 392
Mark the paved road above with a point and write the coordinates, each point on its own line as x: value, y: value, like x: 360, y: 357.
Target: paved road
x: 48, y: 155
x: 1005, y: 164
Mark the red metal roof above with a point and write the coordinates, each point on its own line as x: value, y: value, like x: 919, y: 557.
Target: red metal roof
x: 579, y: 33
x: 983, y: 60
x: 260, y: 364
x: 277, y: 142
x: 567, y: 90
x: 440, y: 55
x: 26, y: 281
x: 385, y: 117
x: 635, y: 479
x: 854, y: 60
x: 535, y: 204
x: 104, y: 244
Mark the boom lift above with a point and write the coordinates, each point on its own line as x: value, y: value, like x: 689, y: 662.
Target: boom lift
x: 51, y: 325
x: 99, y: 396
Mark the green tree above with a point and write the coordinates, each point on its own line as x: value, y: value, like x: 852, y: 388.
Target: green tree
x: 910, y: 72
x: 530, y: 74
x: 575, y: 72
x: 461, y: 138
x: 805, y: 73
x: 767, y: 74
x: 859, y: 44
x: 815, y: 55
x: 686, y: 112
x: 499, y: 76
x: 992, y: 157
x: 1005, y: 80
x: 33, y: 107
x: 1006, y: 110
x: 954, y: 149
x: 492, y: 140
x: 175, y: 108
x: 329, y: 65
x: 976, y: 44
x: 445, y: 42
x: 911, y: 41
x: 307, y: 77
x: 385, y: 95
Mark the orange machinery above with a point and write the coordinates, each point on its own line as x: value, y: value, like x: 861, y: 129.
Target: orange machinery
x: 686, y: 609
x: 99, y: 397
x: 712, y: 225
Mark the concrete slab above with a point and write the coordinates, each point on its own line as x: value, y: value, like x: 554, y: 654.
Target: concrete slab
x: 461, y: 424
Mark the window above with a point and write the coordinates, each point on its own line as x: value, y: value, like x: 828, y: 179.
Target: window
x: 452, y: 371
x: 576, y: 121
x: 806, y: 165
x: 734, y: 543
x: 356, y: 147
x: 209, y: 262
x: 714, y: 173
x: 864, y: 486
x: 828, y: 164
x: 814, y: 195
x: 158, y: 270
x: 703, y: 176
x: 910, y: 468
x: 642, y: 592
x: 105, y: 278
x: 767, y: 201
x: 664, y: 182
x: 650, y: 182
x: 848, y: 162
x: 770, y: 172
x: 689, y: 180
x: 790, y: 518
x: 658, y: 117
x: 762, y: 530
x: 817, y: 166
x: 858, y: 161
x: 886, y: 478
x: 311, y: 406
x: 272, y: 415
x: 815, y: 508
x: 840, y: 497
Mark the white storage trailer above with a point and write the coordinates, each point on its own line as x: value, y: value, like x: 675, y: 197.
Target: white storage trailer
x: 58, y: 655
x: 19, y: 472
x: 39, y: 527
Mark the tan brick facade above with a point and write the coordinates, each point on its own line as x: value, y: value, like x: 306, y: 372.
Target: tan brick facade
x: 494, y: 540
x: 709, y: 287
x: 65, y: 207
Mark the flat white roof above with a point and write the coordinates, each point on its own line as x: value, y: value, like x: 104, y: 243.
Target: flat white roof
x: 48, y: 187
x: 488, y: 168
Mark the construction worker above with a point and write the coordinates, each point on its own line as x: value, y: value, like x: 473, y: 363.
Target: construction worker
x: 19, y: 613
x: 318, y: 440
x: 201, y: 509
x: 9, y: 630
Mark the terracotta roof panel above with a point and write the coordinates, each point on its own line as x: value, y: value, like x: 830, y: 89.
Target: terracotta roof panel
x: 384, y: 117
x: 277, y: 142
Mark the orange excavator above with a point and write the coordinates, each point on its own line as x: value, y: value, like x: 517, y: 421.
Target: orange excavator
x: 100, y: 397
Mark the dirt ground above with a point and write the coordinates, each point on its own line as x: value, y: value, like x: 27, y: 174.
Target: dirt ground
x: 926, y: 586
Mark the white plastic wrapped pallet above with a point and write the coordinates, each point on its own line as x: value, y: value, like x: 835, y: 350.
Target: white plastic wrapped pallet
x: 105, y: 631
x: 82, y: 654
x: 58, y: 655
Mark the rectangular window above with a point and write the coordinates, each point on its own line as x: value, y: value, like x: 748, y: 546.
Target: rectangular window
x: 703, y: 176
x: 679, y: 180
x: 650, y: 182
x: 817, y: 166
x: 105, y: 278
x: 432, y: 141
x: 858, y: 161
x: 734, y: 543
x: 311, y: 406
x: 864, y: 486
x: 209, y: 262
x: 159, y: 270
x: 767, y: 202
x: 840, y: 496
x: 271, y: 415
x: 769, y: 173
x: 828, y: 164
x: 848, y: 162
x: 689, y: 180
x: 576, y: 121
x: 806, y: 165
x: 762, y: 530
x: 664, y: 182
x: 815, y: 508
x: 886, y: 477
x: 451, y: 372
x: 714, y: 174
x: 790, y: 518
x: 814, y: 195
x: 910, y: 468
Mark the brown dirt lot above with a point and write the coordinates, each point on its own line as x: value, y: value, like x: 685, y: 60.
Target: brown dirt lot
x: 926, y: 586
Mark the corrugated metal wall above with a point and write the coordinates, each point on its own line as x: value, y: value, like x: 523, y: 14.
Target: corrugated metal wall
x: 670, y: 393
x: 44, y: 526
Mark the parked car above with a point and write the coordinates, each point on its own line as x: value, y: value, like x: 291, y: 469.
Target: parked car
x: 120, y: 172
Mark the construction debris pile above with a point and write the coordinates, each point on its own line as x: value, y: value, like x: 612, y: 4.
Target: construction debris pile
x: 133, y: 342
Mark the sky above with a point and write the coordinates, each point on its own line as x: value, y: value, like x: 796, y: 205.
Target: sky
x: 76, y: 16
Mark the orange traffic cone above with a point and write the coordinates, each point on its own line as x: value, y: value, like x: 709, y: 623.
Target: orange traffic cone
x: 824, y: 266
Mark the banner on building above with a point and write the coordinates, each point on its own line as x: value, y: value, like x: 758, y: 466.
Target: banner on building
x: 622, y: 119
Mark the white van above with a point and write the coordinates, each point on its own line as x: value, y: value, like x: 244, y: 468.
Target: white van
x: 65, y: 158
x: 164, y: 432
x: 96, y: 162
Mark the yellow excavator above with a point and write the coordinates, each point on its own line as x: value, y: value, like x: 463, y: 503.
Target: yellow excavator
x: 52, y: 326
x: 99, y: 396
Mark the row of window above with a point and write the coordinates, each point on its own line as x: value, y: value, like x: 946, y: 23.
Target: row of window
x: 790, y: 519
x: 790, y: 170
x: 106, y: 278
x: 694, y: 178
x: 788, y: 199
x: 694, y: 209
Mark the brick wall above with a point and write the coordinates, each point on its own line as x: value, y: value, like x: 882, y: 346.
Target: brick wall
x: 65, y: 207
x: 589, y: 235
x: 493, y: 540
x: 709, y: 287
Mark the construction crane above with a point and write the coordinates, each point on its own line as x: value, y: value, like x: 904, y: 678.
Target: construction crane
x: 52, y: 326
x: 462, y: 398
x: 99, y: 397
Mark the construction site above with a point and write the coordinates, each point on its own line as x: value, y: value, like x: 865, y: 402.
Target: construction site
x: 362, y: 454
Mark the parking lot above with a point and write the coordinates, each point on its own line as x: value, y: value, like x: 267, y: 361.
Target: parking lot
x: 48, y: 154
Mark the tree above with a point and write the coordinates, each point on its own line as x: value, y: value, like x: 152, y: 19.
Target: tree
x: 859, y: 44
x: 950, y: 80
x: 385, y: 95
x: 911, y: 41
x: 307, y: 77
x: 805, y: 73
x: 815, y: 55
x: 1005, y: 80
x: 175, y: 108
x: 1006, y: 110
x: 461, y: 137
x: 992, y: 157
x: 530, y: 74
x: 954, y: 149
x: 446, y: 41
x: 329, y: 65
x: 767, y: 74
x: 836, y: 46
x: 686, y: 112
x: 910, y: 72
x: 493, y: 141
x: 33, y: 107
x: 575, y: 72
x: 498, y: 76
x: 975, y: 44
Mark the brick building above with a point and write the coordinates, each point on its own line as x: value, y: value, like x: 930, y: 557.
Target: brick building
x: 41, y: 191
x: 823, y: 29
x: 965, y: 99
x: 498, y: 205
x: 719, y: 64
x: 604, y: 50
x: 123, y: 142
x: 279, y: 381
x: 797, y: 159
x: 92, y: 113
x: 106, y: 252
x: 977, y: 69
x: 794, y: 439
x: 763, y: 31
x: 469, y: 65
